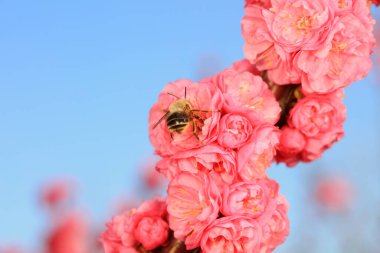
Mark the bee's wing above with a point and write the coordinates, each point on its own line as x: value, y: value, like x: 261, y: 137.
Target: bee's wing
x: 162, y: 118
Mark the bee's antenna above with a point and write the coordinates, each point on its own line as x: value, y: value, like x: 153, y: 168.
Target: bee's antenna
x: 173, y: 95
x: 185, y: 92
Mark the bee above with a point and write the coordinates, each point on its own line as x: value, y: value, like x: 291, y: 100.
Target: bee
x: 180, y: 114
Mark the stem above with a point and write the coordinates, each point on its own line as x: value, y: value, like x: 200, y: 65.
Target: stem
x: 172, y: 246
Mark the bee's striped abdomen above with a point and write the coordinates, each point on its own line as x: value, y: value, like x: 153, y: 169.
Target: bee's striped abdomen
x: 177, y: 121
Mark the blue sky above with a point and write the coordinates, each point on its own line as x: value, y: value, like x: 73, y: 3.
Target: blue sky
x: 77, y: 79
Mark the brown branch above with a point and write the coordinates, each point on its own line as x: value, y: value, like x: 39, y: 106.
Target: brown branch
x: 173, y: 245
x: 286, y: 95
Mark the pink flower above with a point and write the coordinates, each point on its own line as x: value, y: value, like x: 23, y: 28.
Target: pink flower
x: 334, y: 193
x: 315, y: 115
x: 234, y: 234
x: 235, y: 130
x: 314, y: 124
x: 292, y: 143
x: 211, y: 159
x: 316, y: 145
x: 193, y: 204
x: 299, y: 25
x: 292, y: 140
x: 247, y: 94
x: 57, y: 192
x: 375, y: 2
x: 69, y: 235
x: 264, y: 3
x: 118, y: 236
x: 276, y: 229
x: 255, y: 198
x: 274, y: 36
x: 336, y: 65
x: 145, y: 226
x: 203, y: 100
x: 257, y: 155
x: 151, y: 232
x: 152, y: 179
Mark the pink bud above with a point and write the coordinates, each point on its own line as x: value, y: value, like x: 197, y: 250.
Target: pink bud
x: 151, y: 232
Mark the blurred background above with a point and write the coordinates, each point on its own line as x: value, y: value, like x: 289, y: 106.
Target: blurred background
x: 77, y: 79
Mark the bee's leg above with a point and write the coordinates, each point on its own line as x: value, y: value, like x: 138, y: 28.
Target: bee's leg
x: 171, y: 136
x: 197, y: 110
x: 195, y: 130
x: 197, y: 117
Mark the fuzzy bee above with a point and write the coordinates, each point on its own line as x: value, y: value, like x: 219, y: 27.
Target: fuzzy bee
x: 180, y: 114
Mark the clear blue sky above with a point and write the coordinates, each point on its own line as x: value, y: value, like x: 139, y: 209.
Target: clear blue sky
x: 77, y: 79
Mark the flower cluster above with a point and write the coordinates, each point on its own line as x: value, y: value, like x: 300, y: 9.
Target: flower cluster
x: 145, y: 227
x: 318, y: 43
x: 216, y: 138
x: 308, y: 52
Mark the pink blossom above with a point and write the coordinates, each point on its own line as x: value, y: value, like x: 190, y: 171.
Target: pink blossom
x: 257, y: 155
x: 234, y: 234
x: 125, y: 232
x: 118, y: 236
x: 151, y: 232
x: 69, y: 235
x: 193, y: 204
x: 334, y: 193
x: 292, y: 140
x: 316, y: 145
x: 204, y: 97
x: 152, y: 179
x: 315, y: 115
x: 264, y: 3
x: 57, y: 192
x: 213, y: 159
x: 255, y: 198
x: 248, y: 94
x: 276, y: 229
x: 314, y: 124
x: 235, y: 130
x: 273, y: 36
x: 292, y: 143
x: 336, y: 65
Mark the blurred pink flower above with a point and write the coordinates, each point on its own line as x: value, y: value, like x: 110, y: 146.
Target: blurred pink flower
x: 234, y: 234
x: 69, y: 235
x: 264, y: 3
x: 334, y: 193
x: 253, y: 199
x: 11, y: 249
x: 257, y: 155
x: 57, y: 192
x: 205, y: 97
x: 193, y: 204
x: 151, y: 178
